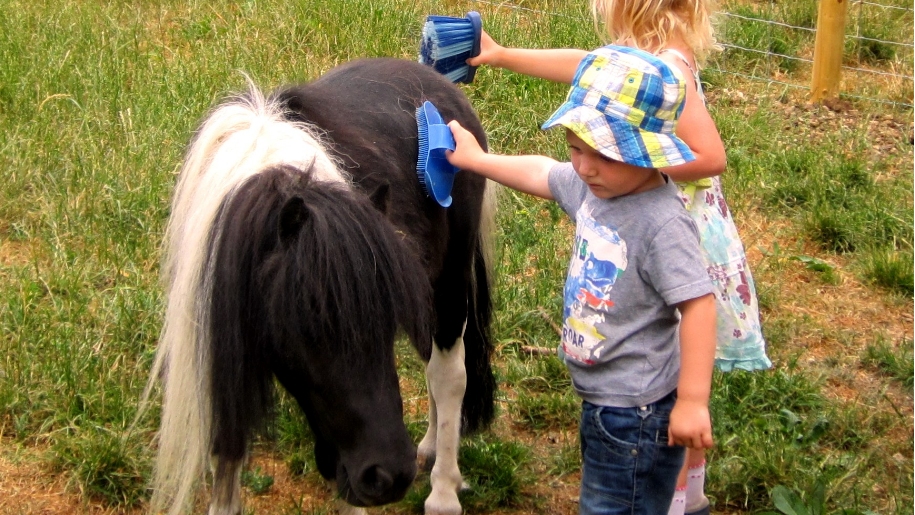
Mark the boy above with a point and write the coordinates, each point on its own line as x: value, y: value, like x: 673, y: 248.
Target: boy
x: 638, y: 332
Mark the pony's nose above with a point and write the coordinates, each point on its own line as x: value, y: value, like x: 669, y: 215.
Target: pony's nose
x: 376, y: 481
x: 383, y: 485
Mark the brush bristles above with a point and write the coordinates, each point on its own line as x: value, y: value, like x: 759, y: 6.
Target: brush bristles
x: 458, y: 73
x: 448, y: 38
x: 446, y: 45
x: 422, y: 126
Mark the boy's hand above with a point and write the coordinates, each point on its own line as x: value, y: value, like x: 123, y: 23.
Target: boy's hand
x: 527, y: 173
x: 690, y: 425
x: 467, y: 150
x: 690, y: 422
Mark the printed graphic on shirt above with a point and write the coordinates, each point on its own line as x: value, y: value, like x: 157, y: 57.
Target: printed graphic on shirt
x: 598, y: 260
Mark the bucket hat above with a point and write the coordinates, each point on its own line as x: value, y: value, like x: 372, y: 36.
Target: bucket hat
x: 625, y: 102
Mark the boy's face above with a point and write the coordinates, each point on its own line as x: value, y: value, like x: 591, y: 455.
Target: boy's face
x: 605, y: 177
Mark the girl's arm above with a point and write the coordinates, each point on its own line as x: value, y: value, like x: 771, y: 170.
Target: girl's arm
x: 557, y: 65
x: 528, y: 174
x: 690, y: 421
x: 697, y: 129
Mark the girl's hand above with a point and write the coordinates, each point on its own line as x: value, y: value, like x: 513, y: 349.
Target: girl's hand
x: 489, y: 52
x: 557, y: 65
x: 690, y: 425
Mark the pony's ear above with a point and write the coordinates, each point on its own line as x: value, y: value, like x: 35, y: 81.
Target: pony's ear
x: 380, y: 197
x: 292, y: 216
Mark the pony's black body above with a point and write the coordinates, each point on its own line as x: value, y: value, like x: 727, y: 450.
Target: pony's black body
x: 367, y: 109
x: 319, y: 246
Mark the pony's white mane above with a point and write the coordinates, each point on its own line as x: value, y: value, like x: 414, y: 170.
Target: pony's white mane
x: 238, y: 139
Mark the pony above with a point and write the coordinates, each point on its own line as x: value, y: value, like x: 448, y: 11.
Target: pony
x: 300, y: 245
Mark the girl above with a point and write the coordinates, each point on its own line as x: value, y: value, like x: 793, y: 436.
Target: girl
x: 680, y: 33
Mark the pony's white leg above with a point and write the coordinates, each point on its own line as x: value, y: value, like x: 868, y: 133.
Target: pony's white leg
x: 344, y: 508
x: 425, y: 452
x: 447, y: 380
x: 226, y: 499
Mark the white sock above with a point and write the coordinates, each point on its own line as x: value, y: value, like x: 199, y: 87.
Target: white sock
x: 678, y: 504
x: 695, y: 488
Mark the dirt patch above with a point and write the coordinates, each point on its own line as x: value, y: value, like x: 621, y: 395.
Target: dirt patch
x: 14, y: 253
x: 26, y: 488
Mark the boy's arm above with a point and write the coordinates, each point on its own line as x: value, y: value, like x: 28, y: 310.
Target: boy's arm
x: 528, y: 174
x: 557, y: 65
x: 697, y: 129
x: 690, y: 421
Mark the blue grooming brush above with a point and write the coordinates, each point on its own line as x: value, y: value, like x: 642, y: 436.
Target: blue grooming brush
x: 435, y: 173
x: 448, y: 42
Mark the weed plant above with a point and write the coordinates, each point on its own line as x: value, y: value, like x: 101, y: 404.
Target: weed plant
x: 98, y: 101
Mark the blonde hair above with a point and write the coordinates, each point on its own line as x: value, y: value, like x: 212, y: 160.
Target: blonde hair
x: 651, y: 25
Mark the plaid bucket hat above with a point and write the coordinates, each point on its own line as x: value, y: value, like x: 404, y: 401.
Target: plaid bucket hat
x: 625, y: 103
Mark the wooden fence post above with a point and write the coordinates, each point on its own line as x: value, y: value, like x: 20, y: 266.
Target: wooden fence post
x: 827, y: 51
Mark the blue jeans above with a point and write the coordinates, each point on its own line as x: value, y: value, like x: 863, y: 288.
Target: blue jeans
x: 627, y: 466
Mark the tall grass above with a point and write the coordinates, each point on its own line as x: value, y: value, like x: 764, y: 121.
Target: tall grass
x: 99, y: 99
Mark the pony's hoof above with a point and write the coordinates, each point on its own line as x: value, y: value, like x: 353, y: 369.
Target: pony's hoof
x: 344, y: 508
x: 224, y: 510
x: 442, y: 504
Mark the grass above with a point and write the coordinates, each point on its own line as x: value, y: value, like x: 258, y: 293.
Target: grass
x: 496, y: 470
x: 894, y: 363
x: 102, y: 463
x: 99, y: 99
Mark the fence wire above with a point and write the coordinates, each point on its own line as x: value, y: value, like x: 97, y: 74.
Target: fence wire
x: 885, y: 6
x: 853, y: 36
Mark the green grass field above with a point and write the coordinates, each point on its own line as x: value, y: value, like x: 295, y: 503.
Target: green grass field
x: 99, y: 99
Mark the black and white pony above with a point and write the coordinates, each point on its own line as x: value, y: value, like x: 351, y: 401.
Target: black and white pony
x: 300, y: 245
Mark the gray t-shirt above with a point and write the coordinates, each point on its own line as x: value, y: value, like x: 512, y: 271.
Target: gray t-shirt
x: 634, y: 259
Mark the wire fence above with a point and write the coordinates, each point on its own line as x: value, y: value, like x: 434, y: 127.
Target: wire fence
x: 875, y: 66
x: 772, y: 42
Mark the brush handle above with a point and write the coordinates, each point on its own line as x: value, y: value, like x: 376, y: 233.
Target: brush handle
x: 435, y: 137
x: 477, y: 23
x: 440, y: 138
